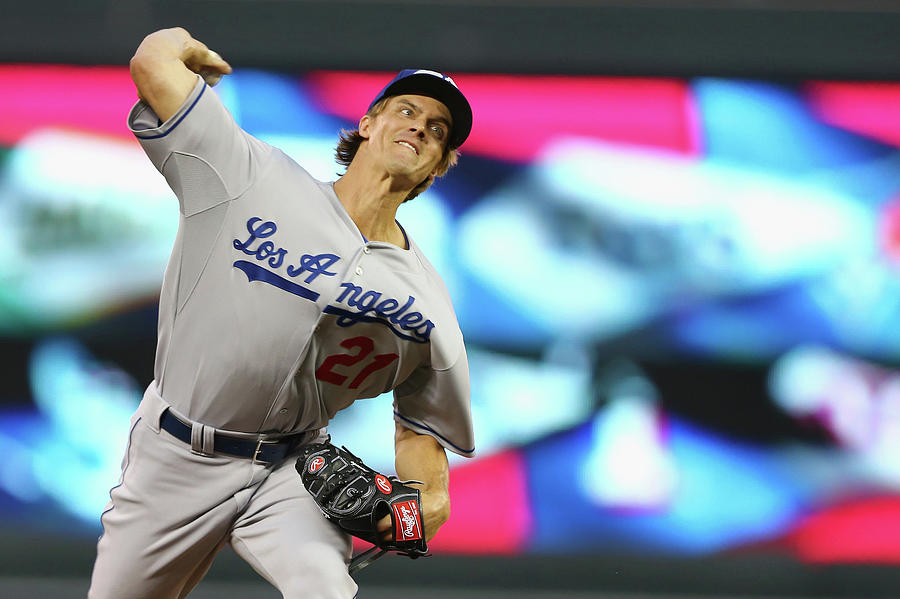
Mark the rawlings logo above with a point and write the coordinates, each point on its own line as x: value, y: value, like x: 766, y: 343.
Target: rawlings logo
x: 383, y: 484
x: 316, y: 464
x: 406, y: 517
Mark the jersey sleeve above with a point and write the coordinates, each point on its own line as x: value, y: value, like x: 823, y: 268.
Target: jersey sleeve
x: 436, y: 403
x: 204, y: 155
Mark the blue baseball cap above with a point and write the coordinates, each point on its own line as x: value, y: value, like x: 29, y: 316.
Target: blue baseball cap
x: 422, y: 82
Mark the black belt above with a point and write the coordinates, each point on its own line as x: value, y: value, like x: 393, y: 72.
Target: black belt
x: 258, y: 450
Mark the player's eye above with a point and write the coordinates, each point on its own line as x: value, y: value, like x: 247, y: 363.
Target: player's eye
x: 406, y: 111
x: 438, y: 130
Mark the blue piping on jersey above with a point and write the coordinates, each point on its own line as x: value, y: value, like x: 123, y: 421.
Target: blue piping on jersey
x: 122, y: 480
x: 402, y: 230
x: 405, y: 237
x: 176, y: 123
x: 255, y: 272
x: 355, y: 317
x: 434, y: 432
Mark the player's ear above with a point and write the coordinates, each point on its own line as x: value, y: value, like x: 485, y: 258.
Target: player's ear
x: 364, y: 124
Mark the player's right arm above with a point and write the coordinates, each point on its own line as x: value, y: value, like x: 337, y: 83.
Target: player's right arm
x: 164, y: 68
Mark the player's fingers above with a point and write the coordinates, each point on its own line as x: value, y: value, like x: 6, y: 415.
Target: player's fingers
x: 213, y: 68
x: 217, y: 62
x: 199, y: 57
x: 384, y: 529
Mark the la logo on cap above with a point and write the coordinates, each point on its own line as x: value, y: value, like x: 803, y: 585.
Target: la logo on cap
x: 436, y: 74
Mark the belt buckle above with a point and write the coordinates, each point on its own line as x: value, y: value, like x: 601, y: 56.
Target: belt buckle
x: 259, y: 443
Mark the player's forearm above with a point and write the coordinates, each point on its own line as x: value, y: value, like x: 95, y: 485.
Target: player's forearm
x: 421, y: 458
x: 164, y: 65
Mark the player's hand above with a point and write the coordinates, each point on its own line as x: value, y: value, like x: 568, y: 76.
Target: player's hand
x: 435, y: 512
x: 164, y: 65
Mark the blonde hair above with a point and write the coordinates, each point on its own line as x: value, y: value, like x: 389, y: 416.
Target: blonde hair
x: 349, y: 142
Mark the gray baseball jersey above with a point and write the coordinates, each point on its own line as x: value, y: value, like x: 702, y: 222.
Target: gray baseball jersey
x: 275, y: 311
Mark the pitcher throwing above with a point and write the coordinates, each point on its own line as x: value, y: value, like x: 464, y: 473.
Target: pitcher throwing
x: 285, y: 300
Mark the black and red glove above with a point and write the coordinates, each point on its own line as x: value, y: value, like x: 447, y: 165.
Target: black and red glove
x: 355, y: 498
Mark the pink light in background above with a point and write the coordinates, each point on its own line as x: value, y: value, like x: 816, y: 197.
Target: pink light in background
x: 95, y: 99
x: 889, y: 229
x: 863, y: 531
x: 496, y: 523
x: 516, y: 116
x: 491, y: 523
x: 866, y: 108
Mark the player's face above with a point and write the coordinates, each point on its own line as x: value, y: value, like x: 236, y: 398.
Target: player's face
x: 409, y: 135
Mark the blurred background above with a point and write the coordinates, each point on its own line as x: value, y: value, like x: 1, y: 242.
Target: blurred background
x: 673, y: 244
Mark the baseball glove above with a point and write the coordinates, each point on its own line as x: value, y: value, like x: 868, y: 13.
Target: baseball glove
x: 355, y: 498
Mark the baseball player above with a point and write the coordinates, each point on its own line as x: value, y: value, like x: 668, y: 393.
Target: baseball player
x: 285, y: 300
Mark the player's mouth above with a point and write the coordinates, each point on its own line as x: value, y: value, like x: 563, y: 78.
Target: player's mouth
x: 409, y: 145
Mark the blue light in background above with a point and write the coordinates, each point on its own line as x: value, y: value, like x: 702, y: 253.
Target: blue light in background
x: 91, y: 224
x: 749, y: 328
x: 725, y: 494
x: 606, y: 238
x: 264, y: 102
x: 514, y: 401
x: 769, y: 127
x: 629, y: 465
x: 71, y: 450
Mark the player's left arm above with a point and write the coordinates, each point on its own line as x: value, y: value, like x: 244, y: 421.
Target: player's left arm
x: 422, y: 458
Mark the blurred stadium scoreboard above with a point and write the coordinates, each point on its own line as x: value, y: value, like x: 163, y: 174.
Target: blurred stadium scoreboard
x: 679, y: 296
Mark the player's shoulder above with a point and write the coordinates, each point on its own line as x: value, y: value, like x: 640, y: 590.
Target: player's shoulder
x: 432, y: 275
x: 281, y: 166
x: 428, y: 268
x: 283, y: 158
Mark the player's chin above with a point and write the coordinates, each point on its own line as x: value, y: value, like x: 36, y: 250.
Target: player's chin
x: 409, y: 175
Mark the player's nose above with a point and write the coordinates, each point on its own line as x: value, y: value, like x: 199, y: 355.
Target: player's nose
x: 419, y: 125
